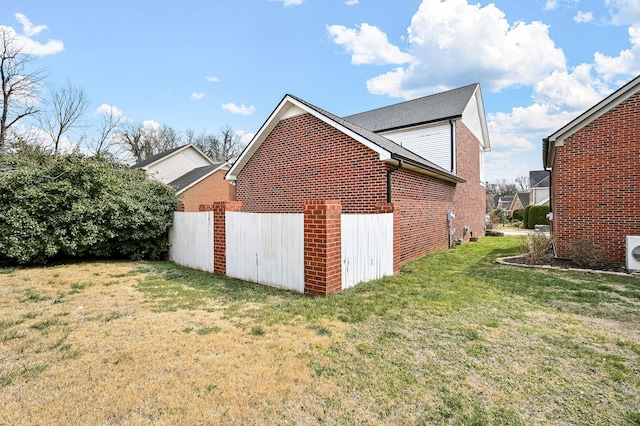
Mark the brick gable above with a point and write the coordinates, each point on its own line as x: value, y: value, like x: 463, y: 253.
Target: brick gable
x: 210, y: 189
x: 304, y: 158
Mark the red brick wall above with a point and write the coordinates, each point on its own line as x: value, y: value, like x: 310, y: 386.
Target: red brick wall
x: 322, y: 247
x: 304, y: 158
x: 422, y: 203
x: 595, y: 183
x: 212, y: 188
x: 470, y: 199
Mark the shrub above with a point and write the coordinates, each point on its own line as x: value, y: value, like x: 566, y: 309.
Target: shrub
x: 81, y: 207
x: 536, y: 247
x: 538, y: 216
x: 517, y: 214
x: 525, y: 218
x: 584, y: 252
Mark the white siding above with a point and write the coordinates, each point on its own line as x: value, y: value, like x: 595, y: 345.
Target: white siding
x: 180, y: 163
x: 266, y: 248
x: 191, y: 238
x: 367, y: 247
x: 471, y: 119
x: 430, y: 142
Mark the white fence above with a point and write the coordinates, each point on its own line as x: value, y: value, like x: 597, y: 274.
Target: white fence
x: 269, y: 248
x: 367, y: 247
x: 191, y: 238
x: 266, y: 248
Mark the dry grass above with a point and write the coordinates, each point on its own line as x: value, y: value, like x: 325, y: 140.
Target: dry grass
x: 455, y: 339
x: 100, y: 357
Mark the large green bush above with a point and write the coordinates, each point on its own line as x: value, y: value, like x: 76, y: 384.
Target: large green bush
x: 538, y: 216
x: 79, y: 207
x: 525, y: 218
x: 517, y: 214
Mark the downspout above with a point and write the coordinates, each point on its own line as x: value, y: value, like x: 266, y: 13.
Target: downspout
x: 391, y: 170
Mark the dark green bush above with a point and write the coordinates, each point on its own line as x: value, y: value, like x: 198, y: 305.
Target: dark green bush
x: 537, y: 216
x: 525, y: 218
x: 74, y: 206
x: 517, y: 214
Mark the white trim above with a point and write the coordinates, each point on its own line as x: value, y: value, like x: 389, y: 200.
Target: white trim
x: 160, y: 160
x: 290, y: 107
x: 595, y: 112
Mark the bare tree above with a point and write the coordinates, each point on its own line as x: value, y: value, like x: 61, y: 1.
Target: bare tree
x: 66, y: 106
x: 19, y: 85
x: 108, y: 130
x: 142, y: 141
x: 502, y: 187
x: 222, y: 147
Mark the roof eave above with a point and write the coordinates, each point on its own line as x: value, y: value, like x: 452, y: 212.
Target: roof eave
x: 426, y: 170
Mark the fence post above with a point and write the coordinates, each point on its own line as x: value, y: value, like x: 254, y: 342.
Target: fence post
x: 322, y: 247
x: 391, y: 208
x: 219, y: 209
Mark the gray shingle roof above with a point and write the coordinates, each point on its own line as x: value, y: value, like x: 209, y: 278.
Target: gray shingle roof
x: 398, y: 152
x: 539, y: 179
x: 193, y: 176
x: 441, y: 106
x: 155, y: 158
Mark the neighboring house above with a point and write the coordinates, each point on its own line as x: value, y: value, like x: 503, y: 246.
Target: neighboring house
x: 595, y: 174
x: 539, y: 187
x: 520, y: 201
x: 193, y: 175
x: 425, y: 156
x: 505, y: 203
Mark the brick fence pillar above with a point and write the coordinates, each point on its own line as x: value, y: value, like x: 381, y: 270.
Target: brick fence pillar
x: 391, y: 208
x: 322, y: 247
x: 219, y: 209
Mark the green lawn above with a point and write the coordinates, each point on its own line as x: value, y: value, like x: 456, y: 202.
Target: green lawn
x: 454, y: 339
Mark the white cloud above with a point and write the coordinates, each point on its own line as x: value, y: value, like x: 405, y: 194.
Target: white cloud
x: 29, y: 45
x: 351, y: 2
x: 106, y: 109
x: 451, y: 40
x: 241, y: 110
x: 582, y: 17
x: 550, y: 5
x: 575, y: 91
x: 626, y: 63
x: 368, y: 45
x: 197, y: 96
x: 245, y: 138
x: 290, y: 2
x: 212, y: 78
x: 27, y: 27
x: 623, y: 11
x: 150, y: 125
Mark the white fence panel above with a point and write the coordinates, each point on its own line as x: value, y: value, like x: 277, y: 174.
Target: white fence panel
x: 367, y: 247
x: 191, y: 238
x: 266, y: 248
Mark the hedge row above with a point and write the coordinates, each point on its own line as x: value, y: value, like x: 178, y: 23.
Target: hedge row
x: 535, y: 215
x: 74, y: 206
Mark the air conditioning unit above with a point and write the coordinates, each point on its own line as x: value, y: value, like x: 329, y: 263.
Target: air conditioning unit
x: 633, y: 253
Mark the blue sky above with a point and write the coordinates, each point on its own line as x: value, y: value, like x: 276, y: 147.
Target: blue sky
x: 204, y: 64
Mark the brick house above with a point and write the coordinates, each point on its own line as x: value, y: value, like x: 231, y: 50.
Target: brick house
x: 422, y: 158
x: 193, y: 175
x: 595, y: 174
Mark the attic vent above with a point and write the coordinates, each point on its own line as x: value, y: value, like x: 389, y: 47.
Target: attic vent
x: 633, y: 253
